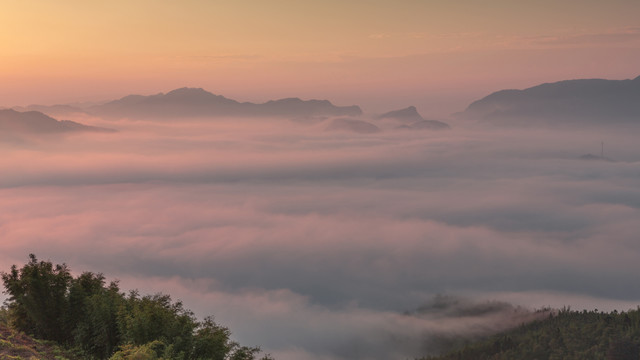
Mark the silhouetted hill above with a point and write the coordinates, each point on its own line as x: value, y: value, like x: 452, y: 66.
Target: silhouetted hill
x: 570, y: 101
x: 36, y: 122
x: 195, y: 102
x: 52, y: 110
x: 406, y: 115
x: 297, y: 107
x: 411, y: 119
x: 352, y: 125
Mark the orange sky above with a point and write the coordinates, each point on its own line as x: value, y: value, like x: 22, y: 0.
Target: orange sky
x: 435, y: 54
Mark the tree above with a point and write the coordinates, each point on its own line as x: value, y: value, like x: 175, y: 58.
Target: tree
x: 96, y: 330
x: 82, y: 312
x: 38, y: 298
x: 623, y: 349
x: 148, y: 318
x: 212, y: 341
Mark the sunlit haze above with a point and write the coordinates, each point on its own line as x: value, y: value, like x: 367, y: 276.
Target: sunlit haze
x: 438, y: 55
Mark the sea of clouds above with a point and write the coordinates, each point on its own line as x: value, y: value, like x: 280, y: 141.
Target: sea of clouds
x: 335, y: 245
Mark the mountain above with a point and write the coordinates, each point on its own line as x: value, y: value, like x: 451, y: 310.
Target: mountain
x: 411, y: 119
x: 570, y: 101
x: 352, y: 125
x: 406, y: 115
x: 36, y: 122
x: 52, y: 110
x: 196, y: 102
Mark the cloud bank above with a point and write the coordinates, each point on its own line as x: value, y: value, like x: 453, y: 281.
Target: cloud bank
x: 334, y: 245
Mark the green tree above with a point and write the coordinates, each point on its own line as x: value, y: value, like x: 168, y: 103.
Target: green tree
x: 38, y: 298
x: 141, y: 352
x: 97, y: 331
x: 212, y: 341
x: 623, y: 349
x: 102, y: 322
x: 148, y: 318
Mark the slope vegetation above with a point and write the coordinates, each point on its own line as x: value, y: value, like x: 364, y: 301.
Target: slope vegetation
x: 569, y: 335
x: 583, y: 101
x: 98, y: 321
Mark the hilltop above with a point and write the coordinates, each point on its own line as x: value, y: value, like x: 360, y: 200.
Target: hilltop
x: 582, y: 101
x: 410, y: 118
x: 35, y: 122
x: 197, y: 102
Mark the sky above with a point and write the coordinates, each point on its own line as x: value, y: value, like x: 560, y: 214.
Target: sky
x: 318, y: 244
x: 437, y: 55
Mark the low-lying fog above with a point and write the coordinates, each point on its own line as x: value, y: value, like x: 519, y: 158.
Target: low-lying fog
x: 319, y: 244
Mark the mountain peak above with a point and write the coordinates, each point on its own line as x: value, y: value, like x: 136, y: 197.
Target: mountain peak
x: 408, y: 114
x: 352, y: 125
x: 578, y: 101
x: 197, y: 102
x: 410, y: 118
x: 188, y: 91
x: 186, y: 94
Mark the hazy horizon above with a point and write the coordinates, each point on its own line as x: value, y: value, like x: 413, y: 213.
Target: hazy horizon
x: 381, y: 55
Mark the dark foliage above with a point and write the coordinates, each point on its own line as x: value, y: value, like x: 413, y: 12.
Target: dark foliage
x: 102, y: 322
x: 38, y: 298
x: 565, y: 335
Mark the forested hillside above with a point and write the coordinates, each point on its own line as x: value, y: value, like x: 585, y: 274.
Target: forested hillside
x: 96, y: 320
x: 83, y: 317
x: 567, y: 335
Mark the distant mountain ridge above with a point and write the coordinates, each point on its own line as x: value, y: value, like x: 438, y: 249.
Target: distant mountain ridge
x: 568, y: 101
x: 33, y: 122
x: 197, y: 102
x: 409, y: 114
x: 411, y: 119
x: 352, y: 125
x: 52, y: 110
